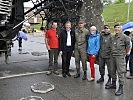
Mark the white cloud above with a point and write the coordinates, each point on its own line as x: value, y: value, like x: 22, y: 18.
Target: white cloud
x: 128, y: 1
x: 28, y: 4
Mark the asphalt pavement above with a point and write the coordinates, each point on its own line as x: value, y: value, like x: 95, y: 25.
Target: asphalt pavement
x: 30, y: 66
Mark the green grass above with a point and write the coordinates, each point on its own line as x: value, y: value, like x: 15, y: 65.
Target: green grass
x: 117, y: 13
x: 37, y: 26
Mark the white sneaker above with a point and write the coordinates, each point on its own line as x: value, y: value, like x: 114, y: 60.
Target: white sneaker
x: 91, y: 79
x: 56, y: 72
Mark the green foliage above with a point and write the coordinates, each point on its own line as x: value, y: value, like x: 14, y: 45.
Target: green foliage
x: 107, y: 1
x: 119, y: 1
x: 117, y: 13
x: 37, y: 26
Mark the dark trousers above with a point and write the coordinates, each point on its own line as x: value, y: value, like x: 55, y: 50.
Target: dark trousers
x: 53, y: 59
x: 118, y: 65
x: 66, y: 57
x: 127, y: 59
x: 102, y: 62
x: 131, y: 64
x: 20, y: 42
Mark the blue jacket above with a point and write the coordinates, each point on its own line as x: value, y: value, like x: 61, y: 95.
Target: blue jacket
x: 93, y: 44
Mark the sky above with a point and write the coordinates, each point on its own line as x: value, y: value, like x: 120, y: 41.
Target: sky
x: 28, y: 4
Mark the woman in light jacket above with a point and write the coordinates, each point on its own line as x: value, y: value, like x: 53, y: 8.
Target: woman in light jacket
x: 93, y: 49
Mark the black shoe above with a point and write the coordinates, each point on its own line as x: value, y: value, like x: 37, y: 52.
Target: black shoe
x: 68, y: 74
x: 19, y: 49
x: 119, y: 91
x: 100, y: 80
x: 77, y: 75
x: 64, y: 75
x: 108, y: 83
x: 111, y: 86
x: 84, y: 76
x: 127, y: 70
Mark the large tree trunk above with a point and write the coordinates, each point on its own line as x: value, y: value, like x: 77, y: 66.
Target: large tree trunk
x: 91, y: 12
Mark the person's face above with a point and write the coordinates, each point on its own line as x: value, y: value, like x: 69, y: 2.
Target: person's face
x: 106, y: 30
x: 68, y: 26
x: 118, y: 29
x: 54, y: 25
x: 92, y: 31
x: 81, y: 25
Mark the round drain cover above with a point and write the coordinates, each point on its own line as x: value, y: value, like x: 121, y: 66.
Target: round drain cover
x: 39, y: 53
x: 32, y: 98
x: 42, y: 87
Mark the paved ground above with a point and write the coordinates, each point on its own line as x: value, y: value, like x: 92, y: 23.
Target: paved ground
x: 65, y: 89
x: 29, y: 68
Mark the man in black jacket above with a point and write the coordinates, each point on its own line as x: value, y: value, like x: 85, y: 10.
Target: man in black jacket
x: 131, y: 59
x: 67, y: 42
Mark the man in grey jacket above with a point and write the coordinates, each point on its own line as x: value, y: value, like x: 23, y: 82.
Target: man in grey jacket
x: 80, y: 49
x: 105, y: 54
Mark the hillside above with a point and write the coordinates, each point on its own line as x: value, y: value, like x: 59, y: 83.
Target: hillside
x: 117, y: 13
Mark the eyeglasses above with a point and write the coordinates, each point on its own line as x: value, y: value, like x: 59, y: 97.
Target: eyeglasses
x: 106, y: 28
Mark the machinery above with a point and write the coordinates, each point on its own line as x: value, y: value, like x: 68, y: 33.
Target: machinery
x: 12, y: 16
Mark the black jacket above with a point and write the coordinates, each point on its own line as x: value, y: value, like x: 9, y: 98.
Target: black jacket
x: 63, y: 40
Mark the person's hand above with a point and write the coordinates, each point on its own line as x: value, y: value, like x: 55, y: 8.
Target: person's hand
x: 127, y: 54
x: 48, y: 47
x: 73, y: 52
x: 60, y: 52
x: 93, y: 55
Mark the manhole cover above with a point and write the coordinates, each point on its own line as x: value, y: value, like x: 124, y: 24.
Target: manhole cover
x: 23, y: 52
x: 39, y: 53
x: 32, y: 98
x: 42, y: 87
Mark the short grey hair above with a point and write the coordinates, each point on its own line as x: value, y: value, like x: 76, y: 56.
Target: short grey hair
x: 93, y: 27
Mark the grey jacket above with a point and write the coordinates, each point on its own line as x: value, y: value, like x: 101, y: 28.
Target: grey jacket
x: 105, y: 48
x: 80, y: 36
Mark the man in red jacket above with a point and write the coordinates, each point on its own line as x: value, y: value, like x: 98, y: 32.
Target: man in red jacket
x: 52, y: 44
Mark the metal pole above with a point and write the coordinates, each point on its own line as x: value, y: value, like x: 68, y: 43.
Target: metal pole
x: 128, y: 13
x: 35, y: 13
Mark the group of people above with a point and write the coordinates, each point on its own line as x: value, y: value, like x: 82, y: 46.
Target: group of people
x: 90, y: 45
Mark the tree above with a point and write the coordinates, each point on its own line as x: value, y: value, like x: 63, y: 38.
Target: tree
x: 107, y: 2
x: 119, y: 1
